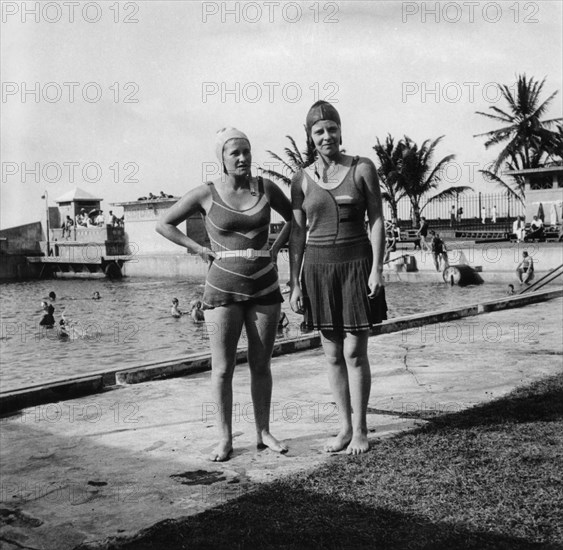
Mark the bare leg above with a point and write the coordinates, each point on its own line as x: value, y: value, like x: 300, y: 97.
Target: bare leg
x: 261, y: 324
x: 224, y: 326
x: 424, y: 244
x: 527, y: 277
x: 338, y: 380
x: 445, y: 260
x: 359, y: 374
x: 519, y: 272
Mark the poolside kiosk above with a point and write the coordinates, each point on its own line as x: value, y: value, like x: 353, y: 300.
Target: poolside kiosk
x: 74, y: 201
x: 82, y: 251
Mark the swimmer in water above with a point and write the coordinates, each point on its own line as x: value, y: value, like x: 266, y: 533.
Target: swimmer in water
x: 52, y: 296
x: 96, y: 295
x: 510, y: 290
x: 63, y: 328
x: 47, y: 321
x: 175, y: 311
x: 197, y: 313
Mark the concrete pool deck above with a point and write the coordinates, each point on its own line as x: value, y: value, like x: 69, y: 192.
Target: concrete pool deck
x: 109, y: 465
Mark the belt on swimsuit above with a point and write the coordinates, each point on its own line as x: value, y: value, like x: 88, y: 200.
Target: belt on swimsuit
x: 249, y: 254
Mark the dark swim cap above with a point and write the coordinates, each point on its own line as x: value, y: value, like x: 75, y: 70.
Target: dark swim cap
x: 321, y: 110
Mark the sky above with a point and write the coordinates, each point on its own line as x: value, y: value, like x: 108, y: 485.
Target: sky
x: 125, y: 98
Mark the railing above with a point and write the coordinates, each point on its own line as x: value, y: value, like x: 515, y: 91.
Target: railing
x: 88, y: 234
x: 506, y: 206
x: 540, y: 283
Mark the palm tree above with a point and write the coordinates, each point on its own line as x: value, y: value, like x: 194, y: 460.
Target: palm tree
x: 296, y: 161
x: 554, y: 148
x: 389, y: 156
x: 514, y: 191
x: 419, y: 177
x: 524, y: 135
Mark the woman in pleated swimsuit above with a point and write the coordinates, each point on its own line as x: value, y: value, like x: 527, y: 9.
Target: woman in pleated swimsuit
x: 341, y: 291
x: 242, y: 286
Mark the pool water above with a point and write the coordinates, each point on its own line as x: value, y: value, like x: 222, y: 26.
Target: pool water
x: 131, y: 323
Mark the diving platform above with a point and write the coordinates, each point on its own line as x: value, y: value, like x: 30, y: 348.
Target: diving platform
x: 92, y: 252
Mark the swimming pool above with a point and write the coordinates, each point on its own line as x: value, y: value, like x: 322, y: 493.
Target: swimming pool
x: 131, y: 323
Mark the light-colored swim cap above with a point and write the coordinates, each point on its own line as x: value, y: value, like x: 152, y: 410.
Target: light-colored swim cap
x: 224, y: 135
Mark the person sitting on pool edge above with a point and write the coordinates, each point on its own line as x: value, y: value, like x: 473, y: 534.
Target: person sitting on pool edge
x: 525, y: 269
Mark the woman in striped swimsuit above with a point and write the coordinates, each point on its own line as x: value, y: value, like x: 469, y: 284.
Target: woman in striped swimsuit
x: 242, y: 287
x: 341, y: 292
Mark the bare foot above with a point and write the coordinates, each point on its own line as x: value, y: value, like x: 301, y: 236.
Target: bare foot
x: 268, y: 440
x: 358, y: 445
x: 339, y: 442
x: 222, y: 452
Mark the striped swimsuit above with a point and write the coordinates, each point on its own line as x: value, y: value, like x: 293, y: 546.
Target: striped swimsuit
x: 338, y: 255
x: 239, y: 279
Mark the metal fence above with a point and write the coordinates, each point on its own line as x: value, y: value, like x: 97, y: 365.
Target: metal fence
x: 507, y: 207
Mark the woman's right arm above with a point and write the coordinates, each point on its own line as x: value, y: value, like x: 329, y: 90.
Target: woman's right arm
x: 297, y: 242
x: 193, y: 201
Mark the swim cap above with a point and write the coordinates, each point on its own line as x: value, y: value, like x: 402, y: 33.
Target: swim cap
x: 321, y: 110
x: 224, y: 135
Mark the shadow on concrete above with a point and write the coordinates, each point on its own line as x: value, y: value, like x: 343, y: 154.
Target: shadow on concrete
x: 274, y: 518
x: 541, y: 401
x: 284, y: 514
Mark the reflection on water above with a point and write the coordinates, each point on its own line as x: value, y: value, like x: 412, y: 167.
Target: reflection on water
x: 131, y: 323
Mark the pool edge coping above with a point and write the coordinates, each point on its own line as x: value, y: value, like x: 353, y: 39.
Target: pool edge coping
x: 107, y: 379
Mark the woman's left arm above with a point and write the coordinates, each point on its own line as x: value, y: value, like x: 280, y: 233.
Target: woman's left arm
x: 280, y: 203
x: 367, y: 174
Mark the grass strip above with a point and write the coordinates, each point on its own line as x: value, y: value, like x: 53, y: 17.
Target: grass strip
x: 490, y: 477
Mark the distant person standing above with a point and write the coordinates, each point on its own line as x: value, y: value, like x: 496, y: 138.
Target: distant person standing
x: 48, y: 320
x: 518, y: 228
x: 453, y: 217
x: 494, y: 214
x: 67, y: 226
x: 390, y: 241
x: 459, y: 213
x: 438, y: 248
x: 483, y: 215
x: 422, y: 233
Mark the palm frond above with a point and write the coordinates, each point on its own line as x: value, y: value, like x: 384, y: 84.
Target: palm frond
x: 507, y: 187
x: 277, y: 176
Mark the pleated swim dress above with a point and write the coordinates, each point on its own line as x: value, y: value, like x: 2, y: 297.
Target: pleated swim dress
x: 239, y: 279
x: 338, y: 256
